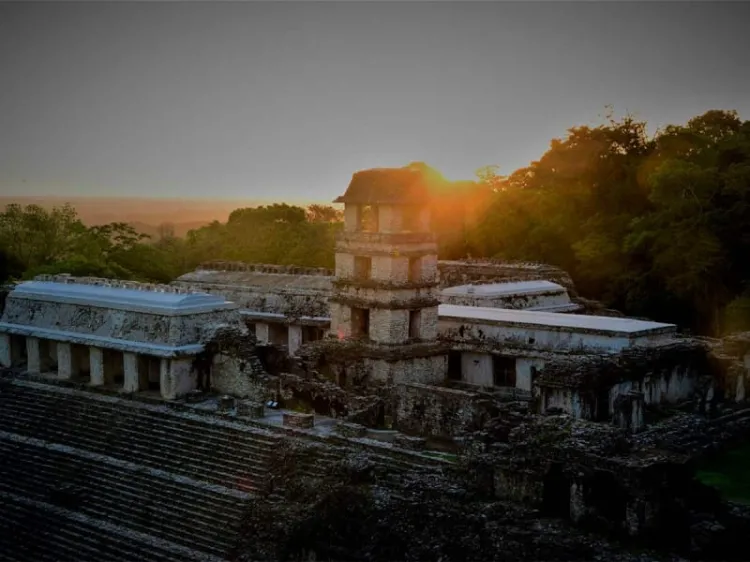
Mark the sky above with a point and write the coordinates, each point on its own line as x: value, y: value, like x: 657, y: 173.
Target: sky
x: 285, y: 100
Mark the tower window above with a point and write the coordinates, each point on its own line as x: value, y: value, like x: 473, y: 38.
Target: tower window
x: 362, y: 267
x: 414, y: 321
x: 368, y: 218
x: 410, y: 219
x: 415, y: 269
x: 360, y: 323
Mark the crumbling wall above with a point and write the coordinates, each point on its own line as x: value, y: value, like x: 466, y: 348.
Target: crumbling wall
x: 229, y: 358
x: 318, y: 395
x: 589, y: 386
x: 551, y: 298
x: 730, y: 359
x: 463, y: 272
x: 433, y: 411
x: 289, y: 290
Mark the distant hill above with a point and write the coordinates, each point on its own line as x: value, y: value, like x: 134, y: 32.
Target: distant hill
x: 180, y: 229
x: 145, y: 214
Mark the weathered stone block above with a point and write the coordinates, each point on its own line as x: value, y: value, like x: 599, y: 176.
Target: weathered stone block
x: 298, y: 420
x: 250, y: 409
x: 226, y: 404
x: 347, y: 429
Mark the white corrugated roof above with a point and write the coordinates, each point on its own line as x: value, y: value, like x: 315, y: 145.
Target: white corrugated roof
x: 541, y: 319
x: 119, y: 297
x: 504, y: 289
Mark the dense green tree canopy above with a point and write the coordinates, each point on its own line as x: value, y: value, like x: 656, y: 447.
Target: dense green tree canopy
x: 658, y: 227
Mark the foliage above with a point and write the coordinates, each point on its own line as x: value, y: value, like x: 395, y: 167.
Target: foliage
x: 657, y: 227
x: 278, y: 234
x: 35, y: 241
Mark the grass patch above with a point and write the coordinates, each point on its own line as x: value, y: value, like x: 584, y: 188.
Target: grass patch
x: 730, y: 474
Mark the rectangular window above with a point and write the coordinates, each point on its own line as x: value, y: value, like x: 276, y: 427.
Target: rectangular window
x: 504, y: 371
x: 368, y: 218
x: 414, y: 321
x: 454, y: 365
x: 415, y: 270
x: 410, y: 219
x: 362, y: 267
x: 360, y: 323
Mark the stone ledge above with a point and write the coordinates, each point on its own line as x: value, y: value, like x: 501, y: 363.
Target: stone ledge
x: 298, y: 420
x: 348, y: 429
x: 250, y: 409
x: 410, y: 443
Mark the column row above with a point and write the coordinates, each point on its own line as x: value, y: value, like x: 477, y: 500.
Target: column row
x: 281, y: 334
x: 135, y: 372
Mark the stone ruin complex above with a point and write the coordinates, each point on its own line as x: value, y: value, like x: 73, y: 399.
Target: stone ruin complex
x: 550, y: 401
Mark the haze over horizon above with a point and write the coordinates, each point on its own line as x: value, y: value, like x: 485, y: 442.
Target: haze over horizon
x: 284, y: 101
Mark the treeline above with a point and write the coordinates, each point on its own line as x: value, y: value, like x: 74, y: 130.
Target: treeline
x: 35, y: 241
x: 656, y: 226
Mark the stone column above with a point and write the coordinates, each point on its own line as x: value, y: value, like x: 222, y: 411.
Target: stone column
x: 294, y: 339
x: 96, y: 361
x: 67, y: 366
x: 165, y: 382
x: 33, y: 361
x: 578, y: 509
x: 130, y: 371
x: 262, y: 332
x: 176, y: 377
x: 6, y: 359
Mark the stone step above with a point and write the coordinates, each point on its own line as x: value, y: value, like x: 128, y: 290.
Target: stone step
x: 203, y: 426
x: 129, y: 413
x: 134, y: 446
x: 199, y: 501
x: 208, y: 471
x: 197, y: 444
x: 396, y: 458
x: 118, y: 509
x: 111, y: 420
x: 65, y: 540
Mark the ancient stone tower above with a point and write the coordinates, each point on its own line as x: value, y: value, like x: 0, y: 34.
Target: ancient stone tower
x: 384, y: 299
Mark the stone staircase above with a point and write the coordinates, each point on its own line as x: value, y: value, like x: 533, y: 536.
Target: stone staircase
x: 92, y: 477
x: 183, y: 444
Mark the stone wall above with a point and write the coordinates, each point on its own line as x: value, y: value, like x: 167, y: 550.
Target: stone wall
x: 297, y: 291
x: 433, y: 411
x: 424, y: 370
x: 464, y: 272
x: 486, y: 336
x: 730, y: 359
x: 550, y: 298
x: 590, y: 386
